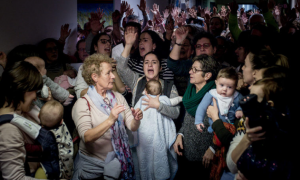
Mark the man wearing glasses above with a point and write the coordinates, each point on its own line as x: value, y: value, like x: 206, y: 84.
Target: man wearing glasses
x: 204, y: 43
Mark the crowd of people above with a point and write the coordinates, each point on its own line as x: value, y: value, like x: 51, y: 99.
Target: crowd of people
x: 188, y: 94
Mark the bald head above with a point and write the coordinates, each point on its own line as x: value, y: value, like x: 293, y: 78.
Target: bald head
x: 38, y: 63
x: 51, y: 114
x: 256, y: 19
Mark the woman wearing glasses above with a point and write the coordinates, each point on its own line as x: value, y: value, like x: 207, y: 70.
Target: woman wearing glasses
x: 101, y: 44
x: 100, y: 117
x: 55, y: 60
x: 195, y: 149
x: 80, y: 53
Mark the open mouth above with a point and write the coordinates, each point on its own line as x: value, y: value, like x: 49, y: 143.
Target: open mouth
x: 142, y: 49
x: 150, y: 71
x: 107, y: 49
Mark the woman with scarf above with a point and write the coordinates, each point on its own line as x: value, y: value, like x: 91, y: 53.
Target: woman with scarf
x: 196, y: 149
x: 100, y: 117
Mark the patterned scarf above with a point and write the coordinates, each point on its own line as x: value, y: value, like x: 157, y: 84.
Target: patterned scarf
x: 119, y: 137
x: 191, y: 99
x: 219, y: 161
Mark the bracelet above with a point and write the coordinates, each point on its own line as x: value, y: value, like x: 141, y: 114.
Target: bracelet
x: 178, y: 44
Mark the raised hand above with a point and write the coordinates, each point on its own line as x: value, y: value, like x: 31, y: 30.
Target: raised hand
x: 130, y: 35
x: 156, y: 7
x: 100, y: 13
x: 96, y: 26
x: 147, y: 10
x: 244, y: 18
x: 207, y: 10
x: 174, y: 12
x: 201, y: 11
x: 184, y: 16
x: 142, y: 5
x: 223, y: 11
x: 214, y: 11
x: 129, y: 12
x: 178, y: 10
x: 166, y: 13
x: 193, y: 13
x: 181, y: 34
x: 124, y: 7
x: 233, y: 6
x: 64, y: 32
x: 116, y: 16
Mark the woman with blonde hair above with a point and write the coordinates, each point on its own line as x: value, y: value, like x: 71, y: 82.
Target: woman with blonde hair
x: 100, y: 117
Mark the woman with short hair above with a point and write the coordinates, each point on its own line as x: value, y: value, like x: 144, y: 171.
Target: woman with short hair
x: 100, y: 117
x: 19, y: 86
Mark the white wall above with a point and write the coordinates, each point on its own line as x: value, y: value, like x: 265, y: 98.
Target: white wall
x: 30, y: 21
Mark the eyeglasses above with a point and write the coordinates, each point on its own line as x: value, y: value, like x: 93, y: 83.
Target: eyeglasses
x: 104, y: 41
x: 195, y: 70
x: 205, y: 46
x: 50, y: 49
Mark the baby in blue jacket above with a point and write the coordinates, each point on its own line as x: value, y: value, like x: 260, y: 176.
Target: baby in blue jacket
x: 227, y: 99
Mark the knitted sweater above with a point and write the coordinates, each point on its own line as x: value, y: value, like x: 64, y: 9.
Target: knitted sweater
x: 195, y: 143
x: 58, y: 92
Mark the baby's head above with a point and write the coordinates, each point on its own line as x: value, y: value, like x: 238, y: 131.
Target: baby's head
x: 51, y: 114
x: 153, y: 87
x: 38, y: 63
x: 226, y: 81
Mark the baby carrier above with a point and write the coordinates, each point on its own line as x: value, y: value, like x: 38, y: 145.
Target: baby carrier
x: 54, y: 163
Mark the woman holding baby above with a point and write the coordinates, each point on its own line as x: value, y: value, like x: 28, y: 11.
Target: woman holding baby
x: 195, y: 149
x: 163, y: 165
x: 19, y: 86
x: 100, y: 117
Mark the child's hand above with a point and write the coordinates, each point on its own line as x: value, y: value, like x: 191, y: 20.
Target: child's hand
x: 199, y: 127
x: 71, y: 73
x: 239, y: 114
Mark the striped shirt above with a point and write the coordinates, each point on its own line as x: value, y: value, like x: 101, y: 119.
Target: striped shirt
x: 165, y: 74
